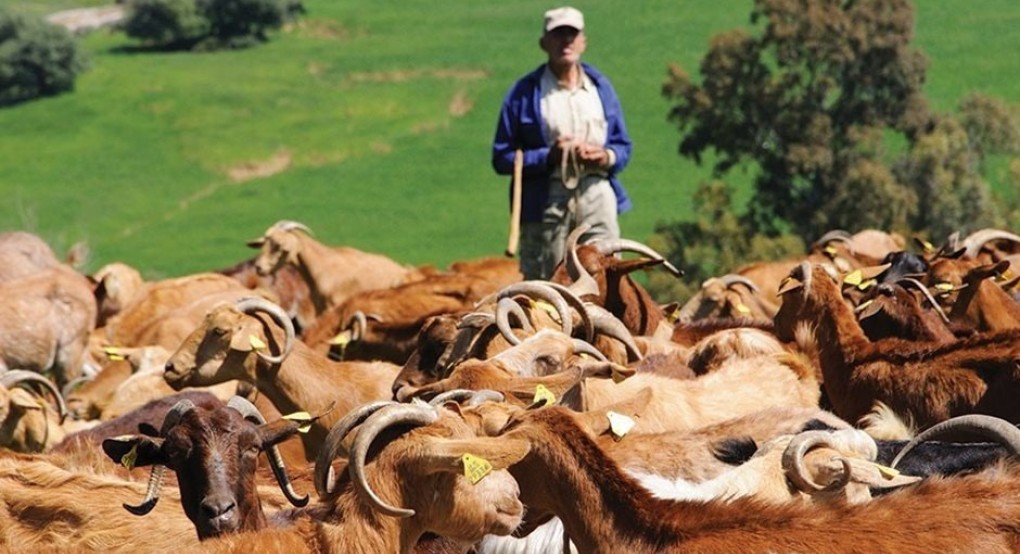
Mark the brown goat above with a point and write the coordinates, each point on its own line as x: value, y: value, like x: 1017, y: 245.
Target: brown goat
x: 234, y: 341
x: 925, y: 382
x: 977, y: 301
x: 331, y: 273
x: 214, y: 454
x: 603, y: 510
x: 889, y: 310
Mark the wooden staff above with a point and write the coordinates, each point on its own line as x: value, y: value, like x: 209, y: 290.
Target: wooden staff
x: 515, y: 205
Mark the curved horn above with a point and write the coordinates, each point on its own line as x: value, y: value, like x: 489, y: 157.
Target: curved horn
x: 15, y: 376
x: 731, y: 279
x: 543, y: 291
x: 583, y: 347
x: 582, y: 282
x: 835, y: 235
x: 504, y: 309
x: 927, y: 294
x: 172, y: 418
x: 612, y: 246
x: 413, y: 414
x: 983, y: 426
x: 473, y: 397
x: 251, y: 413
x: 252, y: 305
x: 796, y: 470
x: 332, y: 447
x: 611, y: 326
x: 574, y: 300
x: 974, y: 241
x: 73, y: 384
x: 288, y: 225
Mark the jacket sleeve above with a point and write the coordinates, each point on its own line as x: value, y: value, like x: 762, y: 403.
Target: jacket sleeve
x: 617, y: 137
x: 512, y: 134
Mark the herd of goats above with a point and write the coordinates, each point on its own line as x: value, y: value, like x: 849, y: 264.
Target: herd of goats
x: 859, y: 398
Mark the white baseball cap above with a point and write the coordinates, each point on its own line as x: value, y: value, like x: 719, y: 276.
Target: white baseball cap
x: 563, y: 17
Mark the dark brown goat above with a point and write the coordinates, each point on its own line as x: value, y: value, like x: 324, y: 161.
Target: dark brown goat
x: 604, y: 510
x: 889, y: 310
x: 214, y: 454
x: 926, y: 382
x: 979, y: 303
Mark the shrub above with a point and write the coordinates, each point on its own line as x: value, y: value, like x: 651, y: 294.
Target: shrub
x: 241, y: 22
x: 171, y: 23
x: 36, y: 59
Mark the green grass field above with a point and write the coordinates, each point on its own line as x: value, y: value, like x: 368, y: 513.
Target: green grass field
x: 371, y: 123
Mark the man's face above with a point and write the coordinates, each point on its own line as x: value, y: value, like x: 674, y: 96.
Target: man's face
x: 564, y: 45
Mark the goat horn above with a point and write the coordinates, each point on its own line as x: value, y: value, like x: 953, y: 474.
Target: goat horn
x: 73, y: 384
x: 583, y: 284
x: 15, y: 376
x: 288, y: 225
x: 973, y: 243
x: 731, y: 279
x: 543, y: 291
x: 413, y: 414
x: 691, y: 307
x: 332, y: 447
x: 473, y: 397
x: 610, y: 325
x: 583, y: 347
x: 793, y: 460
x: 574, y: 300
x: 251, y: 305
x: 172, y: 418
x: 612, y: 246
x: 979, y: 425
x: 251, y: 413
x: 834, y: 235
x: 504, y: 309
x: 927, y: 294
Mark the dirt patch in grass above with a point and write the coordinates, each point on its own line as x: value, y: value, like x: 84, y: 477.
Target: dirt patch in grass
x: 277, y: 163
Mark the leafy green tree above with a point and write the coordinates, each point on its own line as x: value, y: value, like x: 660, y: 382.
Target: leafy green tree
x: 166, y: 23
x: 240, y: 23
x: 36, y: 59
x: 803, y: 101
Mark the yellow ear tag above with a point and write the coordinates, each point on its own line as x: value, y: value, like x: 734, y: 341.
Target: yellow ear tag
x: 128, y: 460
x: 928, y: 247
x: 475, y: 468
x: 743, y: 309
x: 887, y: 472
x: 944, y: 286
x: 341, y: 339
x: 867, y: 284
x: 619, y: 424
x: 854, y: 278
x: 831, y: 251
x: 542, y: 393
x: 548, y: 308
x: 256, y: 342
x: 113, y: 353
x: 303, y: 417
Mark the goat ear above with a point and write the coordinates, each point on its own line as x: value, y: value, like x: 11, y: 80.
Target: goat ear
x: 245, y: 341
x: 278, y: 431
x: 25, y: 400
x: 134, y: 450
x: 447, y: 455
x: 256, y: 243
x: 598, y: 422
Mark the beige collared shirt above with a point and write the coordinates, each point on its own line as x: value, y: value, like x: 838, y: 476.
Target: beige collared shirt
x: 575, y: 112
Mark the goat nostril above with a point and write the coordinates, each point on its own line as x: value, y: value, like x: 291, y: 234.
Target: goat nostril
x: 217, y: 509
x: 169, y: 367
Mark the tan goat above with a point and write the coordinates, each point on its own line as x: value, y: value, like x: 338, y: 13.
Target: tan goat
x: 234, y: 342
x: 332, y: 273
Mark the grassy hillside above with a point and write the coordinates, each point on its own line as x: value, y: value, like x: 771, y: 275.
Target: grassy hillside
x: 372, y: 125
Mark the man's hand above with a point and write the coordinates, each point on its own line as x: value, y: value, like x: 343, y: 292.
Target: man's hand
x: 593, y: 157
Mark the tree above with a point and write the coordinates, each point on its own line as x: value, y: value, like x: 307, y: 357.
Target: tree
x: 36, y: 59
x: 166, y: 23
x: 812, y: 100
x: 804, y: 100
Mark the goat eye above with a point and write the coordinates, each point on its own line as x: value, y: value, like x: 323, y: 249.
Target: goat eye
x: 219, y: 331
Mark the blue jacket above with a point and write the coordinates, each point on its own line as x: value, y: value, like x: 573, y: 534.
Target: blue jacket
x: 520, y: 126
